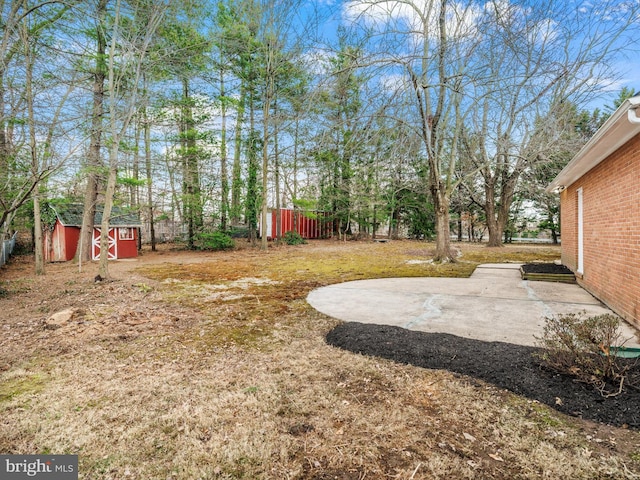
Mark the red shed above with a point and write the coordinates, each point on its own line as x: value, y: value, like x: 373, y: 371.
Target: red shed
x: 62, y: 242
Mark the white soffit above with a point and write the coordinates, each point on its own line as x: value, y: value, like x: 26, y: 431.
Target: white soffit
x: 615, y: 132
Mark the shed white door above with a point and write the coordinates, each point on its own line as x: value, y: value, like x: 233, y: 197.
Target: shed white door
x: 113, y: 244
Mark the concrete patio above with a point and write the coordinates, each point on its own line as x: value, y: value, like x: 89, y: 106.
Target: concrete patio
x: 494, y: 304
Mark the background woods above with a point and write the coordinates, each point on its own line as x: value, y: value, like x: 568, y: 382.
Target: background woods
x: 426, y: 119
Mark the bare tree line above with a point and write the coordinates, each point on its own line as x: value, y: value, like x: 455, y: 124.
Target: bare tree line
x: 212, y: 113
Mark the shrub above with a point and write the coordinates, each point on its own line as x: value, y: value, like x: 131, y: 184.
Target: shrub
x: 580, y: 346
x: 238, y: 232
x: 214, y: 241
x: 293, y: 238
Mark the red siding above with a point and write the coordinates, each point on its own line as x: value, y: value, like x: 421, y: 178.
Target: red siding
x: 71, y: 237
x: 128, y: 248
x: 611, y: 226
x: 62, y: 243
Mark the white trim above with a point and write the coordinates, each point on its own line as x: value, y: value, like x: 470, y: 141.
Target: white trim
x: 95, y: 244
x: 126, y: 233
x: 614, y: 133
x: 580, y: 269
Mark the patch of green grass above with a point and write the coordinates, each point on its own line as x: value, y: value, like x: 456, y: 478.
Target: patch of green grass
x: 544, y: 416
x: 21, y: 385
x: 511, y: 253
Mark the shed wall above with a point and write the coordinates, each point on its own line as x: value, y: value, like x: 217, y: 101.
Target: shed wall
x: 62, y: 243
x: 611, y: 228
x: 128, y: 248
x: 309, y: 228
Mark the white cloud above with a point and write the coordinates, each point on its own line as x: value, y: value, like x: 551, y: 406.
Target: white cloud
x: 419, y: 17
x: 317, y: 61
x: 393, y: 82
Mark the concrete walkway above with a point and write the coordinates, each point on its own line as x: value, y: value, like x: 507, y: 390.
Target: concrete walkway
x: 494, y: 304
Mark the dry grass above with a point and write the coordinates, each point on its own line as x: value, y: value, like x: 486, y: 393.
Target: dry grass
x: 212, y: 366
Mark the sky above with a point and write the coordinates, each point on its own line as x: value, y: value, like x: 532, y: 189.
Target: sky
x: 597, y: 14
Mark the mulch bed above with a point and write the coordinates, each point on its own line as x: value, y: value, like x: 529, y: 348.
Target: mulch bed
x: 546, y: 268
x: 505, y: 365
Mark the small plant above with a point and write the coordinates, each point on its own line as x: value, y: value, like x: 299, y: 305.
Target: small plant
x: 214, y: 241
x: 293, y: 238
x: 143, y: 287
x: 581, y: 347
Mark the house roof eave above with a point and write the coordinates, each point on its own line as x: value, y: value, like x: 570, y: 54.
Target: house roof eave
x: 615, y: 132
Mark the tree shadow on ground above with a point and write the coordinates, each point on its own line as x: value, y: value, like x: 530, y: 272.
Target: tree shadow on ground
x: 505, y: 365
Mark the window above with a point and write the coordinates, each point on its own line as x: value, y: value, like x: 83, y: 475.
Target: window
x: 126, y: 233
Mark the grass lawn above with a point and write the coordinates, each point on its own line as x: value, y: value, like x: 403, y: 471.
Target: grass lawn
x: 191, y: 365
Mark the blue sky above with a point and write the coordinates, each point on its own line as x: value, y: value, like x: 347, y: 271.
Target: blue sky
x: 625, y: 69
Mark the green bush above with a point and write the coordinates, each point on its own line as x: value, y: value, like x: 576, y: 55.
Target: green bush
x: 214, y: 241
x: 293, y: 238
x: 580, y: 346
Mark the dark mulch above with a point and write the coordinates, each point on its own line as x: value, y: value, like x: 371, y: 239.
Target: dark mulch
x: 546, y: 268
x: 508, y: 366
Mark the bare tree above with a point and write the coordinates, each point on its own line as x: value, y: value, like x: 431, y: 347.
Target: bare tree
x: 94, y: 160
x: 41, y: 126
x: 130, y: 41
x: 428, y: 48
x: 22, y: 22
x: 533, y: 62
x: 481, y: 76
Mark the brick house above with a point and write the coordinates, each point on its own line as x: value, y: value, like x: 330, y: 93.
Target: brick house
x: 600, y: 212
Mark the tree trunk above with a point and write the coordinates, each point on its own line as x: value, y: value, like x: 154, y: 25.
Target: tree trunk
x: 191, y: 175
x: 94, y: 164
x: 103, y: 265
x: 4, y: 148
x: 265, y: 169
x: 35, y: 161
x: 147, y: 158
x: 37, y: 234
x: 443, y: 235
x: 276, y: 167
x: 224, y: 181
x: 495, y: 232
x: 498, y: 215
x: 251, y: 214
x: 135, y: 188
x: 236, y: 173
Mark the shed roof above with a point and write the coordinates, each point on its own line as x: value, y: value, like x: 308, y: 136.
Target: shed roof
x: 620, y: 127
x: 71, y: 216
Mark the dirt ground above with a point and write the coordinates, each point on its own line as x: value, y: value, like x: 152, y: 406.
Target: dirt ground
x: 195, y: 365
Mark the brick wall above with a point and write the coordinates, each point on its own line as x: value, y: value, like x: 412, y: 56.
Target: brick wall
x: 611, y: 226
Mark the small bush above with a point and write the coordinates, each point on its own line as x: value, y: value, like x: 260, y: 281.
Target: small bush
x: 579, y: 346
x: 293, y: 238
x: 238, y: 232
x: 214, y: 241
